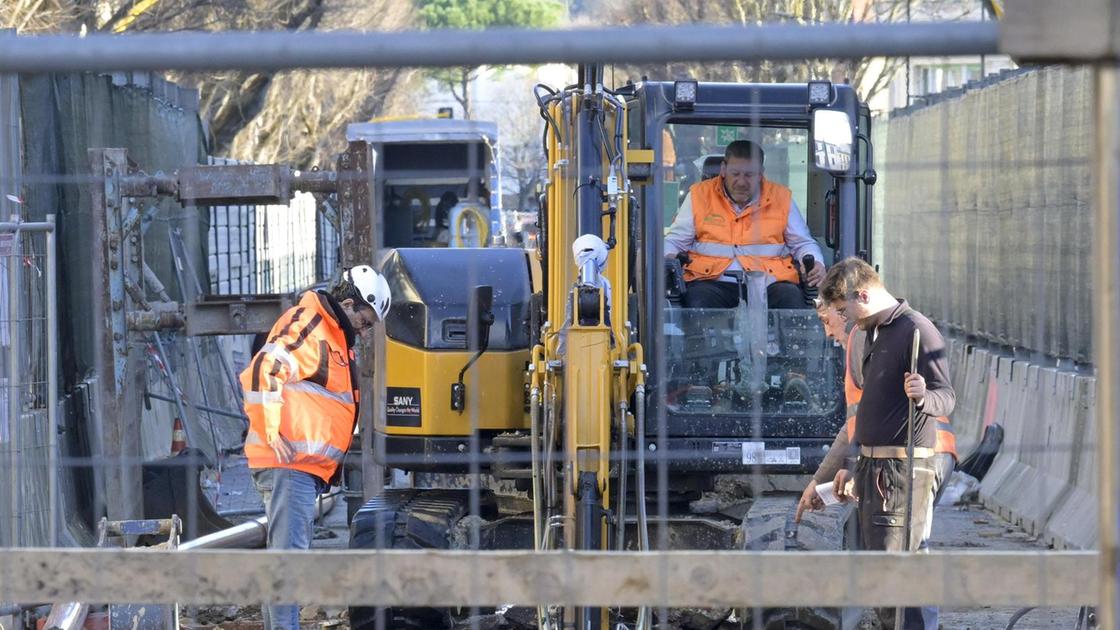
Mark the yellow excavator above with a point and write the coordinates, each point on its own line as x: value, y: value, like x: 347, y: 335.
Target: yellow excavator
x: 529, y: 393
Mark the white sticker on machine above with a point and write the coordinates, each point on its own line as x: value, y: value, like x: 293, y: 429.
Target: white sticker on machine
x: 757, y: 453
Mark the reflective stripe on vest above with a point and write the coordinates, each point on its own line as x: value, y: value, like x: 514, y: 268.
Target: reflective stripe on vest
x: 263, y: 398
x: 307, y: 387
x: 281, y: 354
x: 754, y: 237
x: 724, y: 250
x: 309, y: 449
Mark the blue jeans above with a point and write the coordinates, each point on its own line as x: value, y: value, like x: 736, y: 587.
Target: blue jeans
x: 291, y: 514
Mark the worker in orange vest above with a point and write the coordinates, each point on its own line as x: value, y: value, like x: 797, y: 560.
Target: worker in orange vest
x: 301, y: 396
x: 851, y: 341
x: 741, y: 222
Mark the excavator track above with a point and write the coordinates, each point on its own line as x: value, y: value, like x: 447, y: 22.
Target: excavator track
x: 410, y: 519
x: 769, y: 526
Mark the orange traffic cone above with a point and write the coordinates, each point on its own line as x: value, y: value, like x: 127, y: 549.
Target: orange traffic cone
x: 178, y: 437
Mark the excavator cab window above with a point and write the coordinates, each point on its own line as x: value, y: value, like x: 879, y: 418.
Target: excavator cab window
x: 436, y: 195
x: 699, y: 152
x: 748, y: 359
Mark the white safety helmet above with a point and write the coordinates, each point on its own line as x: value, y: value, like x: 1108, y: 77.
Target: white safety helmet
x: 372, y: 286
x: 590, y: 247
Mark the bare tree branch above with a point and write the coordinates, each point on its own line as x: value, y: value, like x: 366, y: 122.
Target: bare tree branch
x: 295, y: 117
x: 868, y: 76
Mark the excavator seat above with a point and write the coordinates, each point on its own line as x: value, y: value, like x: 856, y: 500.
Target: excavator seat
x: 711, y: 167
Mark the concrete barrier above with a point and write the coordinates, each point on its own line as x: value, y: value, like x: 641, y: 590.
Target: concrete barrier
x: 1045, y: 475
x: 996, y: 398
x: 1034, y: 469
x: 1073, y: 525
x: 969, y: 371
x: 1006, y: 399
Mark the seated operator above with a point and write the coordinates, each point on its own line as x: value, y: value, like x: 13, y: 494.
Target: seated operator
x: 741, y: 221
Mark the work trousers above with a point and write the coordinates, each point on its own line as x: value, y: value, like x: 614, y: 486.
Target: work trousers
x: 881, y: 486
x: 724, y: 294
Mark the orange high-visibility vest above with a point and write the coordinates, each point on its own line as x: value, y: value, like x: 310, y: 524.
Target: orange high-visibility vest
x: 755, y: 237
x: 946, y: 439
x: 300, y: 381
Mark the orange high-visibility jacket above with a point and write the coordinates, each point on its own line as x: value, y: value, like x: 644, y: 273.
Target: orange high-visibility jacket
x: 300, y: 381
x: 946, y: 439
x: 755, y: 237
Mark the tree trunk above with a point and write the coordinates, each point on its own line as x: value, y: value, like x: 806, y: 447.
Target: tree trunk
x: 465, y: 82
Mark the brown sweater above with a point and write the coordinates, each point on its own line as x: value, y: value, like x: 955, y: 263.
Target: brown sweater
x: 881, y: 417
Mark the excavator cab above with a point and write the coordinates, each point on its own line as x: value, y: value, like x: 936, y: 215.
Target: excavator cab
x: 747, y: 389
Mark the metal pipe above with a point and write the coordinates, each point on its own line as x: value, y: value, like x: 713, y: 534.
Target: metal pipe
x: 534, y: 448
x: 213, y: 410
x: 25, y: 226
x: 623, y: 464
x: 248, y: 535
x: 14, y: 398
x: 153, y: 282
x: 70, y: 616
x: 150, y: 185
x: 149, y: 321
x: 538, y: 508
x: 640, y: 494
x: 315, y: 181
x: 52, y: 383
x: 1106, y: 310
x: 251, y: 534
x: 908, y: 527
x: 170, y: 377
x: 240, y: 512
x: 284, y: 50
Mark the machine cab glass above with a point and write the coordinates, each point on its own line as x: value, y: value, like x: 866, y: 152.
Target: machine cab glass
x: 751, y: 357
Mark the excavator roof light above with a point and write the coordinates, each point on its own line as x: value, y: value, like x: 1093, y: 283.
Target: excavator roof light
x: 684, y: 94
x: 820, y: 92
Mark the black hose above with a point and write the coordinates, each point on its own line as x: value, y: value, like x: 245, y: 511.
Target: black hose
x: 1017, y: 616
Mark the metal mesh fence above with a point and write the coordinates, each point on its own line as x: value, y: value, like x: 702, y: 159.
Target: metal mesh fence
x: 25, y: 508
x: 985, y: 208
x: 270, y: 249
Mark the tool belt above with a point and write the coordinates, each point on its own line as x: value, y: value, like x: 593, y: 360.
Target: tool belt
x: 894, y: 452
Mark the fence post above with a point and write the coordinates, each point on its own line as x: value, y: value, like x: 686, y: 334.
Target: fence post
x: 1106, y: 311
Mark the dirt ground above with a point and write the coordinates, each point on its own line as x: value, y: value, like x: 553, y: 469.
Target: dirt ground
x: 972, y: 527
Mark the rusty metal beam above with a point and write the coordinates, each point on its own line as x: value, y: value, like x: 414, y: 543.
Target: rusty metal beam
x: 234, y: 184
x: 114, y: 255
x: 235, y: 314
x: 459, y: 578
x: 360, y: 222
x: 239, y: 184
